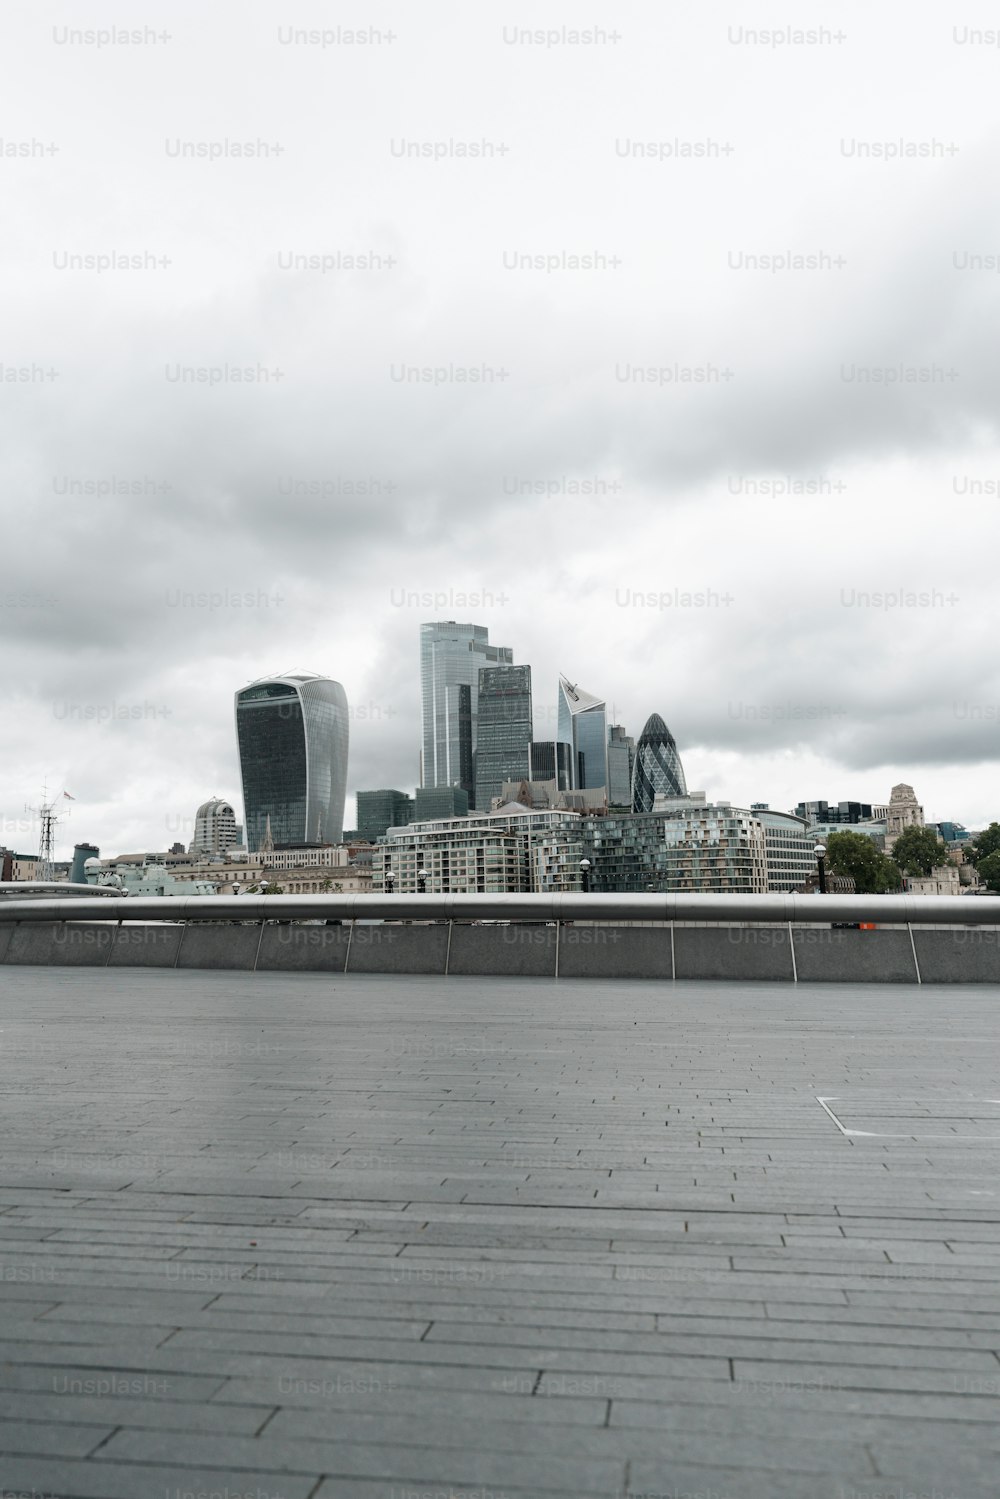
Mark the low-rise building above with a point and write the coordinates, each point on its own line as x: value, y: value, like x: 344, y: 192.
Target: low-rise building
x: 687, y: 844
x: 945, y: 880
x: 488, y: 853
x: 835, y: 814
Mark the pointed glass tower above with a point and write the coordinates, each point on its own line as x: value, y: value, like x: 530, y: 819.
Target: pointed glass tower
x: 658, y: 770
x: 583, y: 724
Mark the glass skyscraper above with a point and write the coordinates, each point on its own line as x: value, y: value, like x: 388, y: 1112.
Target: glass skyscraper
x: 583, y: 724
x: 292, y: 735
x: 378, y: 810
x: 551, y: 760
x: 503, y: 735
x: 621, y: 757
x: 450, y: 659
x: 658, y: 770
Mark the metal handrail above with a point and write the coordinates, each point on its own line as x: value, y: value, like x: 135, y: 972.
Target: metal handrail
x: 48, y: 889
x: 924, y: 910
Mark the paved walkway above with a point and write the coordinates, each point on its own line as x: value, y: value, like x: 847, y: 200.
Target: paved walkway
x: 381, y: 1238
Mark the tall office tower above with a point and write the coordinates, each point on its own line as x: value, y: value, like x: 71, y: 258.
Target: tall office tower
x: 214, y: 827
x: 434, y: 803
x: 450, y: 658
x: 379, y: 810
x: 658, y: 770
x: 292, y: 734
x: 583, y: 723
x: 621, y: 756
x: 503, y: 742
x: 551, y: 760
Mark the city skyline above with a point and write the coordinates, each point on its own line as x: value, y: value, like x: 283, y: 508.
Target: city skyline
x: 179, y: 823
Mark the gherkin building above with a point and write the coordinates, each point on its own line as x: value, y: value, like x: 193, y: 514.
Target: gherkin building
x: 658, y: 770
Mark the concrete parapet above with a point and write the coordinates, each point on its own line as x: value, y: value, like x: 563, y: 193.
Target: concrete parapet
x: 585, y: 950
x: 963, y: 955
x: 150, y: 945
x: 226, y: 945
x: 733, y: 952
x: 525, y: 950
x: 607, y: 952
x: 880, y: 956
x: 76, y: 944
x: 304, y: 949
x: 398, y: 948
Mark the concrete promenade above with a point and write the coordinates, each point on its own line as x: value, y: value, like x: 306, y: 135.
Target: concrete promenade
x: 386, y: 1237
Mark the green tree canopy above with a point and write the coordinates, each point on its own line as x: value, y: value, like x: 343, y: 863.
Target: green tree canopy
x: 855, y: 854
x: 986, y: 844
x: 989, y: 871
x: 918, y: 851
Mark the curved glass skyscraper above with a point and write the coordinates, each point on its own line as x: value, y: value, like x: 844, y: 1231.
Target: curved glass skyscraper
x: 292, y: 734
x: 657, y: 770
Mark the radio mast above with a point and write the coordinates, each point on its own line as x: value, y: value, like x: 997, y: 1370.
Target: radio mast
x: 50, y: 818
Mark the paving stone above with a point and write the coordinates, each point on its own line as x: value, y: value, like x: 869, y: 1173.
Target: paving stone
x: 494, y: 1238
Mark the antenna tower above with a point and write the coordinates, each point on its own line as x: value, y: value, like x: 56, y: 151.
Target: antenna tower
x: 49, y: 818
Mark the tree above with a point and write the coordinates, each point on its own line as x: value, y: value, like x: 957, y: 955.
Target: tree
x: 986, y: 844
x: 989, y: 871
x: 855, y: 855
x: 918, y: 851
x: 266, y: 887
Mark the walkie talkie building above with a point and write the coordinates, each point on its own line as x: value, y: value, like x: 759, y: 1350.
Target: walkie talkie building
x: 292, y: 734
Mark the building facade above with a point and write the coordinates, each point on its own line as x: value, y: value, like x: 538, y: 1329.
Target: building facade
x: 835, y: 813
x: 694, y: 846
x: 503, y: 733
x: 550, y: 760
x: 582, y: 721
x: 451, y: 655
x: 215, y: 827
x: 691, y: 846
x: 621, y: 761
x: 789, y: 850
x: 484, y: 853
x: 378, y: 810
x: 944, y: 880
x: 292, y: 733
x: 904, y: 812
x: 430, y: 803
x: 658, y: 770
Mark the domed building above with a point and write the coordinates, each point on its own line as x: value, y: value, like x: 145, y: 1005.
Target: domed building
x: 214, y: 827
x: 657, y: 770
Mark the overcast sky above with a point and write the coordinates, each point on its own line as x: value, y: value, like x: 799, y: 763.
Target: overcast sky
x: 760, y: 624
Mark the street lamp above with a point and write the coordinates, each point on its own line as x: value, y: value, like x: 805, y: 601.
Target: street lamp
x: 390, y: 880
x: 585, y: 867
x: 820, y: 852
x: 422, y: 881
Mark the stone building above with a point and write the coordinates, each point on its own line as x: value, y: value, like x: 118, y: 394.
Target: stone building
x: 904, y: 812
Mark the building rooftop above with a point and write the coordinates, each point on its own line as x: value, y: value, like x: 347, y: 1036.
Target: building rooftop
x: 360, y: 1238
